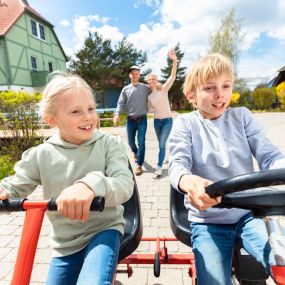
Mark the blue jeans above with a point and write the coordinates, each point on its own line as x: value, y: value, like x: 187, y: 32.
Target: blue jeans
x: 95, y: 264
x: 213, y: 248
x: 162, y: 129
x: 133, y: 126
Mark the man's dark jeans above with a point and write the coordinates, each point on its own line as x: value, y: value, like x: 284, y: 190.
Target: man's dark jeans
x: 137, y: 125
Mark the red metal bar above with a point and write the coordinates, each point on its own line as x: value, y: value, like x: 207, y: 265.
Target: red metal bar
x: 279, y: 274
x: 147, y: 258
x: 160, y: 238
x: 35, y: 211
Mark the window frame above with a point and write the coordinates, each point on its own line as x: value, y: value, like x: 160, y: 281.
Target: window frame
x: 34, y: 28
x: 38, y: 30
x: 42, y: 32
x: 50, y: 64
x: 36, y: 62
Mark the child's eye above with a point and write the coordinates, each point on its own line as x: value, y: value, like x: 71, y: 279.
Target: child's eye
x: 227, y: 86
x: 75, y: 112
x: 91, y: 109
x: 209, y: 88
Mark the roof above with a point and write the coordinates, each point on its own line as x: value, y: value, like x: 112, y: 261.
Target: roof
x: 281, y: 69
x: 12, y: 10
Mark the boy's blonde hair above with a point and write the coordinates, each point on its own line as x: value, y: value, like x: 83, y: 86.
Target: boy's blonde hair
x: 209, y: 66
x: 59, y: 83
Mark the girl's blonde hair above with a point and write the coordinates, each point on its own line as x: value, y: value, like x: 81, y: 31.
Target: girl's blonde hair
x: 209, y: 66
x: 151, y: 75
x: 59, y: 83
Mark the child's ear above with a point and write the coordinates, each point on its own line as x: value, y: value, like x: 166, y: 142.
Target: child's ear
x: 50, y: 121
x: 191, y: 97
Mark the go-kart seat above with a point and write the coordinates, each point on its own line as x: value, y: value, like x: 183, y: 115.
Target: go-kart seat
x: 133, y: 227
x: 247, y: 269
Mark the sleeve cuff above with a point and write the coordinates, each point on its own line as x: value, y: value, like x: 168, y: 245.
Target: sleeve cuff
x: 96, y: 182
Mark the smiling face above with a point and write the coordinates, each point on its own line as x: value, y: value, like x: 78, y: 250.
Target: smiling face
x: 74, y: 115
x: 152, y: 81
x: 134, y: 76
x: 213, y: 97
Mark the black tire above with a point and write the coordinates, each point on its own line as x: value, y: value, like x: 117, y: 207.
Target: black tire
x: 248, y: 282
x: 156, y: 265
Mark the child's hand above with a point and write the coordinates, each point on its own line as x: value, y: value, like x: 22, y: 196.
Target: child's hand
x: 74, y: 202
x: 172, y: 55
x: 3, y: 195
x: 194, y: 186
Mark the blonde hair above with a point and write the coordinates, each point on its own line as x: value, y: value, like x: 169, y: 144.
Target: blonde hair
x: 209, y: 66
x: 151, y: 75
x: 59, y: 83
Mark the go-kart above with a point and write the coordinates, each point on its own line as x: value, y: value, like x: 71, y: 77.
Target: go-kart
x: 267, y: 204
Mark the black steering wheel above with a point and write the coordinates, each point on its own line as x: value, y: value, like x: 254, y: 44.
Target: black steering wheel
x: 262, y: 203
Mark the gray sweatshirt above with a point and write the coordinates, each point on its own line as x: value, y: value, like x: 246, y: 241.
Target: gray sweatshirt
x: 219, y: 149
x: 100, y: 162
x: 134, y: 100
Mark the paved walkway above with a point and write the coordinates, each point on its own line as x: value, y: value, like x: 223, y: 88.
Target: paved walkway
x: 154, y: 196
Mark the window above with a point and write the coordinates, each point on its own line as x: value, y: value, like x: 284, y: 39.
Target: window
x: 34, y: 63
x: 34, y: 28
x: 50, y: 67
x: 42, y: 32
x: 38, y: 30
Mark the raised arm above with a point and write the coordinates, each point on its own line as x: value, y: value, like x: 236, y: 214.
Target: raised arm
x: 167, y: 85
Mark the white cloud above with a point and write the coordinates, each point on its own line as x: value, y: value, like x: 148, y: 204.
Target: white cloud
x: 147, y: 2
x: 109, y: 32
x: 82, y: 26
x: 191, y: 23
x: 64, y: 23
x: 98, y: 19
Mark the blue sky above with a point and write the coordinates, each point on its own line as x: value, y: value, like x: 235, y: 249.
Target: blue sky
x: 155, y: 26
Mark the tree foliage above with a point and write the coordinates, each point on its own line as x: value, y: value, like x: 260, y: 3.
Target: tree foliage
x: 227, y: 38
x: 103, y: 65
x: 176, y: 96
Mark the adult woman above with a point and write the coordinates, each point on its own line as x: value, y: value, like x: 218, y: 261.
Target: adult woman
x: 159, y: 103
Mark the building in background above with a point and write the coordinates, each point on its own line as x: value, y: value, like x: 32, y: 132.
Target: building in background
x: 29, y: 47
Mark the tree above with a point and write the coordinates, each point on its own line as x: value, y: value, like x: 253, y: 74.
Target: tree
x: 102, y: 66
x: 94, y: 60
x: 227, y: 38
x: 126, y: 55
x: 175, y: 93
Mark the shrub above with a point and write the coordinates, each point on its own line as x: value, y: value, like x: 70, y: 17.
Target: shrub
x: 6, y: 168
x: 235, y: 98
x: 280, y: 90
x: 19, y: 121
x: 263, y: 98
x: 246, y: 98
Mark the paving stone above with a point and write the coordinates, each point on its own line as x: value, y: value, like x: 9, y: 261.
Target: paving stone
x: 154, y: 196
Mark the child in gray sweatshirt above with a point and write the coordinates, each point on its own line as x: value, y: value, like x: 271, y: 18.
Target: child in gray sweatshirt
x: 210, y: 144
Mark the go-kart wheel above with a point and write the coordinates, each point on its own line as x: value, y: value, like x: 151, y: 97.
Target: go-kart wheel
x: 248, y: 282
x: 156, y: 265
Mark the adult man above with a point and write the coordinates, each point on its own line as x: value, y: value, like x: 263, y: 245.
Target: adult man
x: 133, y: 101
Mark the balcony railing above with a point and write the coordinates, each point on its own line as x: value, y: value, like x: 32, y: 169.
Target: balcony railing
x: 39, y: 78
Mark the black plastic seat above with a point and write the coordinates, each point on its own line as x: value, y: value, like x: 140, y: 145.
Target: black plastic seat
x: 179, y: 217
x: 133, y: 227
x: 247, y: 269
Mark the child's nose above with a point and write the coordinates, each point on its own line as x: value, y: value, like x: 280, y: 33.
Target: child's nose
x: 219, y: 93
x: 86, y: 115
